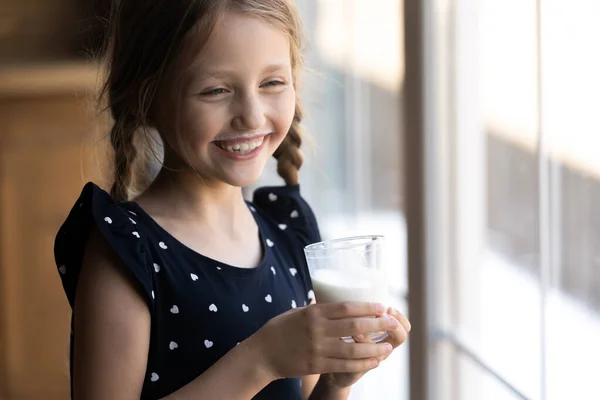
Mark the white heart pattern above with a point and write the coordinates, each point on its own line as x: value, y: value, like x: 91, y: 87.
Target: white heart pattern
x: 212, y: 308
x: 311, y: 294
x: 153, y: 294
x: 283, y: 227
x: 132, y: 221
x: 194, y: 277
x: 270, y: 243
x: 245, y: 308
x: 219, y: 268
x: 137, y: 235
x: 154, y: 377
x: 173, y: 345
x: 156, y: 267
x: 268, y: 298
x: 252, y: 209
x: 162, y: 245
x: 294, y: 304
x: 208, y: 344
x: 62, y: 269
x: 133, y: 213
x: 293, y: 271
x: 295, y: 214
x: 273, y: 270
x: 272, y: 197
x: 174, y: 310
x: 108, y: 220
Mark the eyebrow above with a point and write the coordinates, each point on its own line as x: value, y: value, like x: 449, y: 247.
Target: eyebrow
x: 221, y: 73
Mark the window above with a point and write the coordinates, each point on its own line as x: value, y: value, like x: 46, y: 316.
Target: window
x: 510, y: 169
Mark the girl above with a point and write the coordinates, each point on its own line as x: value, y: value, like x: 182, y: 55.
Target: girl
x: 189, y: 292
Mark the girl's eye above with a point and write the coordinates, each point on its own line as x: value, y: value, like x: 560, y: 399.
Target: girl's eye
x: 214, y: 92
x: 274, y: 83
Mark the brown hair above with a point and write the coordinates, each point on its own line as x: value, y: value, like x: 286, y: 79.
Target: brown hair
x: 145, y: 37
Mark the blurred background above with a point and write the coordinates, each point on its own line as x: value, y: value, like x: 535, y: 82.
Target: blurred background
x: 463, y: 130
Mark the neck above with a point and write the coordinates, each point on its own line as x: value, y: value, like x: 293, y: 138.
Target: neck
x: 186, y: 196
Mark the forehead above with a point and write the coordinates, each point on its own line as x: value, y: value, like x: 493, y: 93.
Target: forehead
x: 238, y: 42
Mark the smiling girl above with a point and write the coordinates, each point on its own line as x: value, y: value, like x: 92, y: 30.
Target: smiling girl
x: 185, y: 290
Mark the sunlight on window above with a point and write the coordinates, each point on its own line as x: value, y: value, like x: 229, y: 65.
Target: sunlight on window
x: 508, y: 69
x: 364, y: 36
x: 570, y: 77
x: 571, y: 82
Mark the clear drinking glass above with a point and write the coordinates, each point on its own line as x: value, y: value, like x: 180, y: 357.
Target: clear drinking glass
x: 349, y: 269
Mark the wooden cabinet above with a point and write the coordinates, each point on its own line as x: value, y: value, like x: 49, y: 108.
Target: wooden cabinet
x: 51, y: 30
x: 48, y: 149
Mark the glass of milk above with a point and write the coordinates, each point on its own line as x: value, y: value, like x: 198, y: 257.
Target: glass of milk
x: 349, y: 269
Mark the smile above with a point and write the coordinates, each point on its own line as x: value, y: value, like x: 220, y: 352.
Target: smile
x: 241, y: 145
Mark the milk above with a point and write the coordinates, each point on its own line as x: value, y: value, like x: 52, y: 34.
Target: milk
x: 336, y: 285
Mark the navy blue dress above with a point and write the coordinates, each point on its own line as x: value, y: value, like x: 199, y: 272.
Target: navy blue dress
x: 200, y: 307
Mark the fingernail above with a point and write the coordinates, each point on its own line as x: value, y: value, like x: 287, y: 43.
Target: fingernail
x: 360, y: 337
x: 388, y: 348
x: 380, y: 308
x: 393, y: 323
x: 374, y: 362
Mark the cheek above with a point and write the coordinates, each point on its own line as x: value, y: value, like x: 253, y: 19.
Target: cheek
x: 285, y: 108
x: 200, y: 123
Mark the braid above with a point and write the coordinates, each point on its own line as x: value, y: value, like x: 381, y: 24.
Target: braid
x: 121, y: 139
x: 288, y: 154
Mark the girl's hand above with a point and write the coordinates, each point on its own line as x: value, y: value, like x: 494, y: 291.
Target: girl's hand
x: 395, y: 338
x: 398, y: 336
x: 306, y: 341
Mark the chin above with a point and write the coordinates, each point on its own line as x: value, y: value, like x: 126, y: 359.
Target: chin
x: 241, y: 179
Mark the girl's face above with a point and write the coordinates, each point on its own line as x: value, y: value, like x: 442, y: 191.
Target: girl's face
x: 235, y: 103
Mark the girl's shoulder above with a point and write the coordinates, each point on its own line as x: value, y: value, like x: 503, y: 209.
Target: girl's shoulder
x: 117, y: 225
x: 285, y: 207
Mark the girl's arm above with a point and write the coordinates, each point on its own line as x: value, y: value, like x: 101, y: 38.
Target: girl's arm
x: 316, y: 387
x: 112, y: 335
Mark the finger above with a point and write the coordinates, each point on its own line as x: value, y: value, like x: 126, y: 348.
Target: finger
x: 400, y: 317
x: 349, y: 309
x: 340, y: 349
x: 349, y: 366
x: 362, y: 339
x: 396, y: 336
x: 367, y: 339
x: 359, y: 326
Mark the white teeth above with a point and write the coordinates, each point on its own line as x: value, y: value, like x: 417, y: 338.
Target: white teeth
x: 243, y: 148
